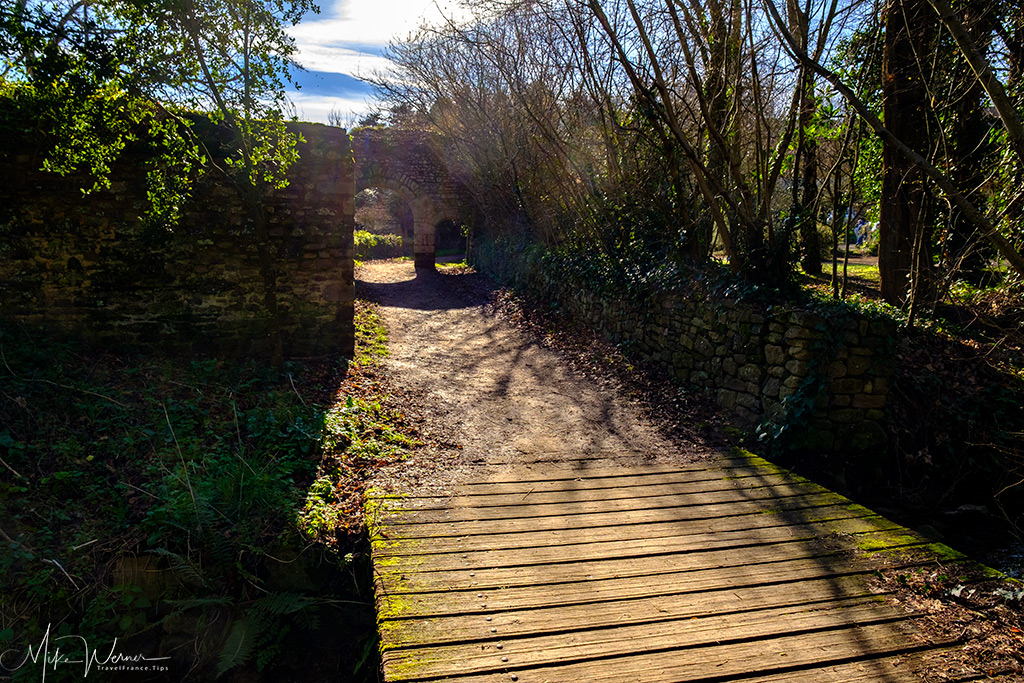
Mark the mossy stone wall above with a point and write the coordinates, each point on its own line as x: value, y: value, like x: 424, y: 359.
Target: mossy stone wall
x: 87, y: 264
x: 818, y: 381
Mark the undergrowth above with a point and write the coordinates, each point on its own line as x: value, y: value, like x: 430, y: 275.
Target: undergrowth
x: 203, y: 512
x: 369, y: 246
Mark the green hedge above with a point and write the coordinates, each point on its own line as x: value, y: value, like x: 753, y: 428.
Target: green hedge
x: 370, y: 246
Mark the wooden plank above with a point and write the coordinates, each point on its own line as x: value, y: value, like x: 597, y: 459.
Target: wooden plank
x: 436, y: 661
x: 516, y: 472
x: 413, y: 525
x: 914, y: 666
x: 444, y: 542
x: 734, y: 600
x: 546, y: 462
x: 514, y: 507
x: 487, y: 484
x: 585, y: 548
x: 408, y: 579
x: 906, y: 667
x: 715, y: 663
x: 452, y: 601
x: 568, y: 494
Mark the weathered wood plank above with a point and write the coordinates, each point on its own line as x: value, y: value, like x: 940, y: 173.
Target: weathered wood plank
x: 590, y: 571
x: 631, y: 478
x: 412, y: 525
x: 912, y: 666
x: 698, y: 632
x: 444, y: 542
x: 452, y: 601
x: 411, y: 578
x: 585, y: 547
x: 751, y: 486
x: 720, y: 662
x: 737, y: 600
x: 514, y: 507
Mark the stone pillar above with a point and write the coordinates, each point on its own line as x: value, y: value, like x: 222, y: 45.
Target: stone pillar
x: 423, y: 246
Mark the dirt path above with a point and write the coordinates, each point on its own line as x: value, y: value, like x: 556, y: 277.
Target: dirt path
x: 501, y: 396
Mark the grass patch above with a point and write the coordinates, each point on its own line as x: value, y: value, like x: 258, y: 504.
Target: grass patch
x: 861, y: 271
x: 206, y: 511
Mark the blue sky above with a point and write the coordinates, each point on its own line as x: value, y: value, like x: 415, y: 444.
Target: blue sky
x: 344, y: 42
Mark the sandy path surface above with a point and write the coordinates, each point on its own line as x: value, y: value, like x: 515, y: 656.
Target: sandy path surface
x: 503, y: 398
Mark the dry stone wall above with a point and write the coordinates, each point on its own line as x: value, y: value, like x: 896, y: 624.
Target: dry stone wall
x: 821, y: 382
x: 88, y: 265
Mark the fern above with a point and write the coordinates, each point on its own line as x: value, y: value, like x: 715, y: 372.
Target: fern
x: 238, y: 647
x: 279, y: 604
x: 182, y: 567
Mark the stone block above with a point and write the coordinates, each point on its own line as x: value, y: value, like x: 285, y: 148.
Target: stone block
x: 793, y: 381
x: 750, y: 373
x: 847, y: 385
x: 800, y: 368
x: 726, y: 398
x: 846, y: 415
x: 868, y: 401
x: 746, y: 416
x: 836, y: 370
x: 774, y: 355
x: 801, y: 353
x: 803, y: 333
x: 748, y: 401
x: 858, y: 365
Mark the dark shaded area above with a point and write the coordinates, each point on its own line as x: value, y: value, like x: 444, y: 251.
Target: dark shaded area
x: 154, y: 499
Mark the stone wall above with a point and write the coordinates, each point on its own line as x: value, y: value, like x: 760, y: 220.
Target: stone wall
x: 87, y: 264
x: 818, y: 381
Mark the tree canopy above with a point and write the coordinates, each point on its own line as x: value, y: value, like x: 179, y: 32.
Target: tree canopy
x: 662, y: 131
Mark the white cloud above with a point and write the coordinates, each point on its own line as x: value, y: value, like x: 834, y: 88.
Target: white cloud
x: 351, y: 34
x: 317, y: 108
x: 340, y: 59
x: 349, y: 38
x: 373, y: 22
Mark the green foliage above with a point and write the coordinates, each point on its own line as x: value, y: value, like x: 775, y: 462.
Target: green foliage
x: 203, y: 469
x: 359, y: 432
x: 371, y: 337
x: 369, y: 246
x: 92, y: 78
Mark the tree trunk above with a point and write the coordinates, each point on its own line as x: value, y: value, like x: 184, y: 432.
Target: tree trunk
x: 964, y: 248
x: 909, y: 28
x: 808, y: 219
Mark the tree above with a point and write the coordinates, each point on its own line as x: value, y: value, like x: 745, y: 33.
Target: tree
x: 988, y: 228
x: 904, y: 247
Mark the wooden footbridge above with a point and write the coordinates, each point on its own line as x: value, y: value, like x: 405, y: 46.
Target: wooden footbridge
x: 588, y: 570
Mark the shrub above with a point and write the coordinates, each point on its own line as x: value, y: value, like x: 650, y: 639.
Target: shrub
x: 369, y: 246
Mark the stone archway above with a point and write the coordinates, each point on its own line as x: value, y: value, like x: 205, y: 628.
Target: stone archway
x: 411, y: 163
